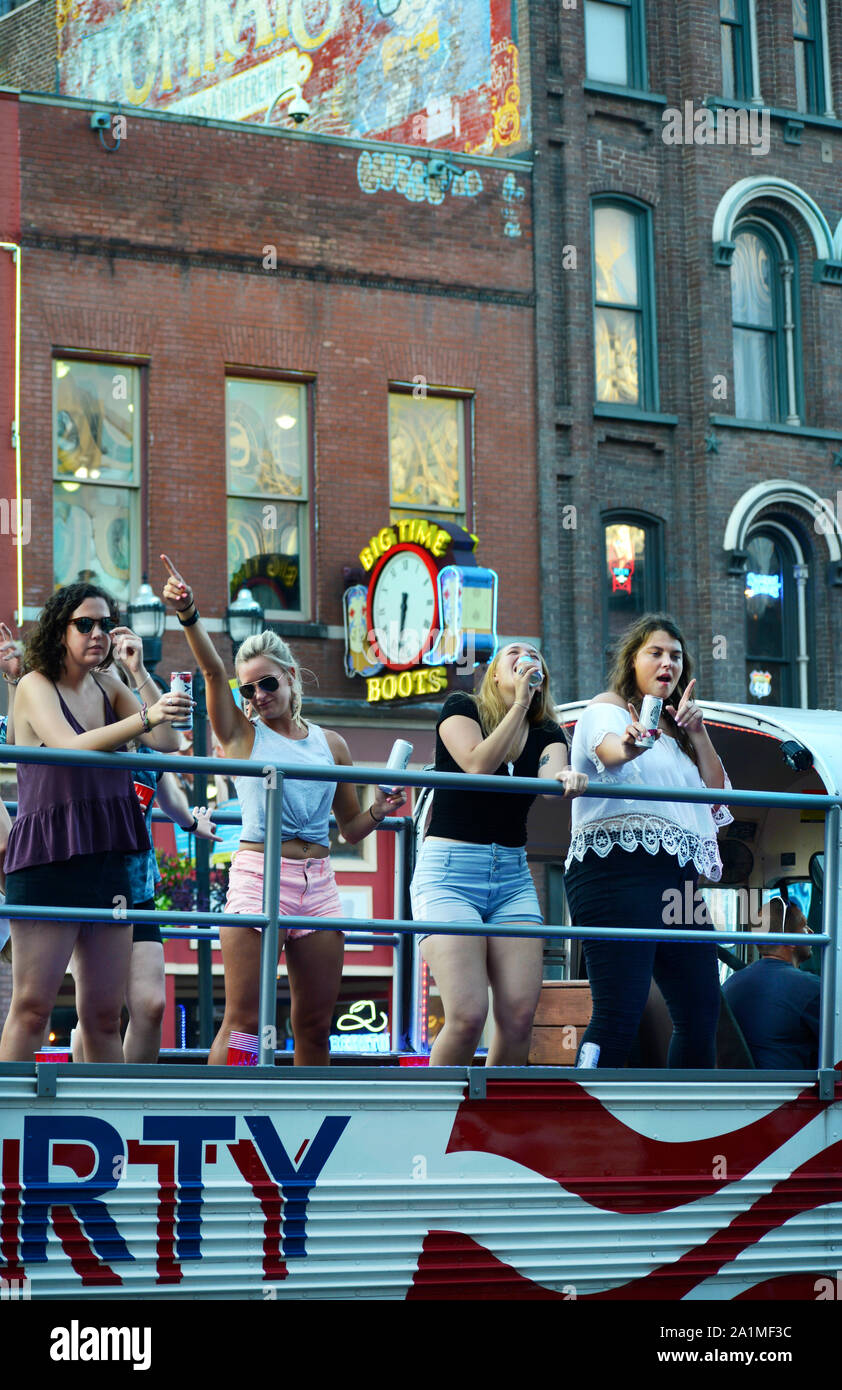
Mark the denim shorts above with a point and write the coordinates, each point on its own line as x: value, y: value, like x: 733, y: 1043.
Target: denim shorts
x: 473, y: 883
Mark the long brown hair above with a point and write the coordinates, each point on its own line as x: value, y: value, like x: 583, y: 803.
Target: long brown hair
x: 45, y: 646
x: 492, y: 708
x: 622, y: 679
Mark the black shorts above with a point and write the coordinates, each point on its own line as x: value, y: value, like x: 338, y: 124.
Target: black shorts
x: 146, y: 931
x: 85, y: 880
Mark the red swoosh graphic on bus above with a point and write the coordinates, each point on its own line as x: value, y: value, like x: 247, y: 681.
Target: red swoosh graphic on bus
x: 568, y: 1136
x: 452, y: 1265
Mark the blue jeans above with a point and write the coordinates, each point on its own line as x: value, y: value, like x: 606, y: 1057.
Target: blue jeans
x: 473, y: 883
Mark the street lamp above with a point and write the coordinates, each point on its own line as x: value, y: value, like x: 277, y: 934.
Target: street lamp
x: 147, y: 616
x: 243, y: 618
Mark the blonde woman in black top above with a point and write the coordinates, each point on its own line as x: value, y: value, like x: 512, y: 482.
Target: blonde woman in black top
x: 472, y: 867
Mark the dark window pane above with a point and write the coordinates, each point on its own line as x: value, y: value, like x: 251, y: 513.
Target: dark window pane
x: 764, y: 593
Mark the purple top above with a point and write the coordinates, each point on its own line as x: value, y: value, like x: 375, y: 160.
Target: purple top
x: 63, y: 811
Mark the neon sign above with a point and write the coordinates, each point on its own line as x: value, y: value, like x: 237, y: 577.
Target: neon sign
x: 763, y: 585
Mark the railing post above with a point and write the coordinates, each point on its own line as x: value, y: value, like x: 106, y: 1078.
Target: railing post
x: 399, y: 952
x: 204, y: 958
x: 267, y: 1029
x: 830, y: 1042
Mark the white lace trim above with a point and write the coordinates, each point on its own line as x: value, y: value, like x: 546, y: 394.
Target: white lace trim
x: 653, y: 833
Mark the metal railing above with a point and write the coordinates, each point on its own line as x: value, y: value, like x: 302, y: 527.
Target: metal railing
x: 274, y: 775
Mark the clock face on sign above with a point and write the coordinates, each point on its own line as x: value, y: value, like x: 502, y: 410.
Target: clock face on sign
x: 402, y: 605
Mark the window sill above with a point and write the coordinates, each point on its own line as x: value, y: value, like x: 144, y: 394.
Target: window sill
x: 779, y: 112
x: 629, y: 412
x: 294, y: 627
x: 772, y: 427
x: 630, y: 93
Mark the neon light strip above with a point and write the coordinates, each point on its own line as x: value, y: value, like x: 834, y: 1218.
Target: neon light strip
x: 15, y: 251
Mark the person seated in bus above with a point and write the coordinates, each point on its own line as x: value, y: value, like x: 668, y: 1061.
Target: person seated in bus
x: 775, y: 1003
x: 635, y: 864
x: 472, y: 867
x: 270, y: 679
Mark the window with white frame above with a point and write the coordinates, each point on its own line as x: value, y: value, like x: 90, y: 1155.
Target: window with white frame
x: 764, y: 285
x: 96, y: 474
x: 267, y: 460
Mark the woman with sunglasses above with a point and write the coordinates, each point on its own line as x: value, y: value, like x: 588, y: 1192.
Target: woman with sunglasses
x: 75, y: 825
x: 269, y: 679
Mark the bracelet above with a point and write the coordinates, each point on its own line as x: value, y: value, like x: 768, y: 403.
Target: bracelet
x: 9, y: 680
x: 193, y: 827
x: 374, y: 818
x: 189, y: 621
x: 146, y: 682
x: 144, y: 715
x: 518, y: 705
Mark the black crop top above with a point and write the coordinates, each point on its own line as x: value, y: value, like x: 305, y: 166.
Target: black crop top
x: 478, y: 817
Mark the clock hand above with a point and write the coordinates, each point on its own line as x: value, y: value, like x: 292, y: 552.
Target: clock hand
x: 404, y: 604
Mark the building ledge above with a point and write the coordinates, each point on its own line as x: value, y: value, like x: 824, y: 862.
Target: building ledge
x: 770, y: 427
x: 643, y: 417
x: 629, y: 93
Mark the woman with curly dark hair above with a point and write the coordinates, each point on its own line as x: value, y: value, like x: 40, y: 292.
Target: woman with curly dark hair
x: 630, y: 861
x: 75, y: 825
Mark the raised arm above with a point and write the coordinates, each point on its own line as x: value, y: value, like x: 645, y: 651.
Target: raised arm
x: 128, y: 650
x: 463, y: 737
x: 228, y: 722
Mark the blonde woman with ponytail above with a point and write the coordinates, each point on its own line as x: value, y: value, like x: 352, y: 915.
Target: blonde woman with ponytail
x: 472, y: 866
x: 269, y: 680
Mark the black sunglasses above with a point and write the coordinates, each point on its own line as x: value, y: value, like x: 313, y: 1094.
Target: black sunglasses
x: 268, y: 683
x: 86, y: 625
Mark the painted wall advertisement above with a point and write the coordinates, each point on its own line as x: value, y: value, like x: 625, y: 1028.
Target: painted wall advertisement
x: 411, y: 71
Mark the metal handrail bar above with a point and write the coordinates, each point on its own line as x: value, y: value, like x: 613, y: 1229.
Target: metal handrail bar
x: 831, y: 1028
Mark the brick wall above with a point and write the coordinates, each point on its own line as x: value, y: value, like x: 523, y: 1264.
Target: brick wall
x: 156, y: 252
x: 589, y: 143
x: 28, y: 47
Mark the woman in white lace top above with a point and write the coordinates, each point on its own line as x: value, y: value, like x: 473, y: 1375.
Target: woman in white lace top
x: 629, y: 861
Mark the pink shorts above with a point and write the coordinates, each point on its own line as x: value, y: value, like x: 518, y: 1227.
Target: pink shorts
x: 308, y: 889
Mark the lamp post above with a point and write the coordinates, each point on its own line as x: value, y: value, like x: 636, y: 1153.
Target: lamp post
x: 146, y: 616
x: 243, y: 618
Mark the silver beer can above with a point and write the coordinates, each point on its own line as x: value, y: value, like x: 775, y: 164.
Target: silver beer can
x: 181, y: 683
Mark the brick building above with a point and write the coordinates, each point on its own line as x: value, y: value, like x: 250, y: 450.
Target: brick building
x: 689, y: 385
x: 265, y: 344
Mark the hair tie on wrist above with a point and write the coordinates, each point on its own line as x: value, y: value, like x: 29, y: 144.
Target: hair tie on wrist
x: 374, y: 818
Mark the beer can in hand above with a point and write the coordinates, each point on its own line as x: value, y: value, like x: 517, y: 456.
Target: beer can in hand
x: 398, y: 759
x: 650, y: 714
x: 536, y: 675
x: 181, y: 683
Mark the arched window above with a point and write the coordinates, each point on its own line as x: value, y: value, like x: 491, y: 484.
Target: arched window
x: 777, y: 617
x: 633, y: 572
x: 763, y: 271
x: 624, y: 349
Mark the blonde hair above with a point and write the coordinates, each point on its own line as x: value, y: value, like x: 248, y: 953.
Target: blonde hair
x: 492, y: 708
x: 274, y: 648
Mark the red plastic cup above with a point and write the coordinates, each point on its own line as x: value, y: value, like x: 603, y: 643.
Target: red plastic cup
x: 53, y: 1054
x: 414, y: 1061
x: 243, y: 1050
